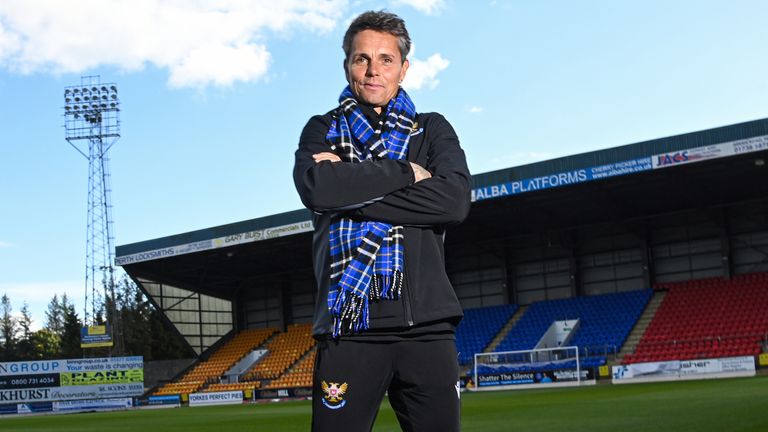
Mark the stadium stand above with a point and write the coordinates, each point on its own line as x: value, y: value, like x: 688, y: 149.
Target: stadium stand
x: 478, y: 328
x: 299, y: 375
x: 283, y: 351
x: 702, y: 318
x: 605, y: 322
x: 208, y: 371
x: 707, y: 318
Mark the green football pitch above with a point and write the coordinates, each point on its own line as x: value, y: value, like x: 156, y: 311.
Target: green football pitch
x: 711, y: 405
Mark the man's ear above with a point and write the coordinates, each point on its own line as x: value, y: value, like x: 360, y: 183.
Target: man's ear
x: 346, y: 70
x: 406, y: 64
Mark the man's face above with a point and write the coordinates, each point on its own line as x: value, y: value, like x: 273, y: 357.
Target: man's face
x: 375, y: 68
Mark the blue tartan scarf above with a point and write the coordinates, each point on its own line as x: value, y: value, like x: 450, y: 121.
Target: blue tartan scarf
x: 366, y: 257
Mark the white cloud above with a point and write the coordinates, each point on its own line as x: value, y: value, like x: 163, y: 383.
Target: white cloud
x: 210, y: 63
x: 425, y: 6
x: 5, y: 245
x: 423, y: 73
x: 474, y: 109
x: 198, y: 42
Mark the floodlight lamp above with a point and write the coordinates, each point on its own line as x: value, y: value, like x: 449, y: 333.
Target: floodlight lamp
x: 113, y: 88
x: 94, y: 89
x: 104, y: 105
x: 67, y: 100
x: 103, y: 97
x: 77, y: 99
x: 113, y: 105
x: 114, y: 96
x: 85, y: 89
x: 67, y: 108
x: 103, y: 88
x: 66, y: 92
x: 86, y: 98
x: 76, y: 107
x: 76, y: 91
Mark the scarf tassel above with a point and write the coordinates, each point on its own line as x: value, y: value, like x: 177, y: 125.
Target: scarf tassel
x: 387, y: 287
x: 350, y: 314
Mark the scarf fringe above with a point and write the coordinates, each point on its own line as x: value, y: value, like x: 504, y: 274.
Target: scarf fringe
x: 351, y: 312
x: 387, y: 287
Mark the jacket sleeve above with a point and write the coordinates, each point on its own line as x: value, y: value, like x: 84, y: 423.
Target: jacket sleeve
x: 331, y: 186
x: 440, y: 200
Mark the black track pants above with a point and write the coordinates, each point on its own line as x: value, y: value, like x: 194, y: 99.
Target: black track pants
x: 351, y: 378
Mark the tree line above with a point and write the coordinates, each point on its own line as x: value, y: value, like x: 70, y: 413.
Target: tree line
x: 142, y: 330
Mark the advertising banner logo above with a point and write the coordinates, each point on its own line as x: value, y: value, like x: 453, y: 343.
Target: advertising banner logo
x: 102, y: 377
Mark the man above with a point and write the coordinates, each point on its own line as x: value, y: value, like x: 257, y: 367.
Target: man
x: 383, y: 182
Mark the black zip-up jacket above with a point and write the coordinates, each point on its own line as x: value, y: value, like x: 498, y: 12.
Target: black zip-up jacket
x: 331, y: 189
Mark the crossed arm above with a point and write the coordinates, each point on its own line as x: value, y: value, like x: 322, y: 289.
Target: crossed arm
x: 387, y: 190
x: 419, y: 173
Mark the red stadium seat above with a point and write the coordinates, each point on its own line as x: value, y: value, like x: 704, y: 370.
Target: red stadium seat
x: 707, y: 318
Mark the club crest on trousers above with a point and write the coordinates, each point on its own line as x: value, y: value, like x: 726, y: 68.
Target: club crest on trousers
x: 334, y: 393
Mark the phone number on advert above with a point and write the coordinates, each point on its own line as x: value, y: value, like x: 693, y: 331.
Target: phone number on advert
x: 33, y: 381
x: 751, y: 147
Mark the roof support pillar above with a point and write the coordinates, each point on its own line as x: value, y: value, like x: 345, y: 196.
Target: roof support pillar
x: 510, y: 285
x: 285, y: 300
x: 725, y: 243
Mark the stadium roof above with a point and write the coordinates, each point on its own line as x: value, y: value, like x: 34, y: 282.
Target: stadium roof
x: 733, y: 152
x: 699, y: 170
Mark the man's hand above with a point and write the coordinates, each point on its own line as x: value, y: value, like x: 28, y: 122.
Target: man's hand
x: 325, y: 156
x: 419, y: 173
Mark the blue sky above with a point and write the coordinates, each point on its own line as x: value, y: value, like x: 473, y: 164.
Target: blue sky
x: 214, y: 95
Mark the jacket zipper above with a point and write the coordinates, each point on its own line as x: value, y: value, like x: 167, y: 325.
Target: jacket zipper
x: 407, y: 288
x: 407, y: 296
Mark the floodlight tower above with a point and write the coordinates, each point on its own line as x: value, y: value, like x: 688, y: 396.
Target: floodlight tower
x: 92, y: 125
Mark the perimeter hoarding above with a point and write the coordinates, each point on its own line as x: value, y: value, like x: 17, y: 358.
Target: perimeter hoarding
x: 675, y: 370
x: 534, y: 377
x: 216, y: 398
x: 73, y: 379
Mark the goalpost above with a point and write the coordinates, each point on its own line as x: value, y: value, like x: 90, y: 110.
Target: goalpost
x: 559, y: 366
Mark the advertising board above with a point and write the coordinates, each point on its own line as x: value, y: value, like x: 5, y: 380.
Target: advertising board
x: 631, y: 166
x: 533, y: 377
x: 61, y: 380
x: 95, y: 336
x: 684, y: 370
x: 216, y: 398
x: 93, y: 405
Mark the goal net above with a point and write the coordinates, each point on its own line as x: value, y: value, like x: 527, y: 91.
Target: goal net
x: 528, y: 368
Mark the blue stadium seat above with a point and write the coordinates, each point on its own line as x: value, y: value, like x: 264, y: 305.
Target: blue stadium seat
x: 605, y: 323
x: 478, y: 328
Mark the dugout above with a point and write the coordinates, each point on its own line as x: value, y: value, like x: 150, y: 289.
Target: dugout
x: 683, y: 207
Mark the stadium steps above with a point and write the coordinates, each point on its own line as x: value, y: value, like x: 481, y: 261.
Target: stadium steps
x: 203, y: 357
x: 292, y: 369
x: 642, y: 324
x: 500, y: 335
x: 263, y: 345
x: 282, y: 353
x: 506, y: 329
x: 224, y: 353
